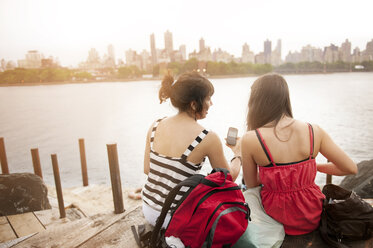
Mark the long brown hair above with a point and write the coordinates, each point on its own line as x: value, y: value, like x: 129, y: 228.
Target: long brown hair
x: 269, y: 101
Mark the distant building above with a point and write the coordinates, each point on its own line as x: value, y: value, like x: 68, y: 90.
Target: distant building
x: 132, y: 58
x: 163, y: 57
x: 222, y: 56
x: 311, y: 54
x: 146, y: 63
x: 368, y: 53
x: 182, y: 50
x: 48, y: 63
x: 247, y: 56
x: 2, y: 65
x: 276, y: 54
x: 153, y: 50
x: 356, y: 56
x: 201, y: 45
x: 168, y: 43
x: 345, y: 51
x: 331, y: 54
x: 260, y: 58
x: 93, y: 60
x: 32, y: 60
x: 110, y: 60
x: 293, y: 57
x: 267, y: 51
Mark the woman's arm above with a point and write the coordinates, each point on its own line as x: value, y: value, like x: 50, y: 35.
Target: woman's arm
x: 147, y: 152
x: 217, y: 159
x: 249, y: 167
x: 340, y: 163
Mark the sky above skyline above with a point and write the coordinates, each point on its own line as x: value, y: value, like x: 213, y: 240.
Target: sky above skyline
x: 68, y: 29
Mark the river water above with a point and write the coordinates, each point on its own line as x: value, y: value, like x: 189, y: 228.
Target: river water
x: 52, y: 118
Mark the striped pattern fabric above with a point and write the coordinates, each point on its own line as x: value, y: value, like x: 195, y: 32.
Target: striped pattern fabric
x: 166, y: 172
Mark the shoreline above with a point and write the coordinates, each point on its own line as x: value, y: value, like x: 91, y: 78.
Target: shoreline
x: 151, y: 79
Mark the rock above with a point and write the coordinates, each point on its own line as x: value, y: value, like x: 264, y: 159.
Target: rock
x: 362, y: 182
x: 21, y: 193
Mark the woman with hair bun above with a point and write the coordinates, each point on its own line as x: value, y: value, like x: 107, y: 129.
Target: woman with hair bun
x: 176, y: 146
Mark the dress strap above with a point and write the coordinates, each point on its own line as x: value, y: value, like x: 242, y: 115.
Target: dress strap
x: 153, y: 131
x: 264, y: 146
x: 310, y: 128
x: 196, y: 141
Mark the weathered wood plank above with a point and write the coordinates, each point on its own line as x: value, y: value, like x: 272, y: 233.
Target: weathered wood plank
x: 13, y: 242
x: 51, y: 217
x: 3, y: 220
x: 119, y: 234
x: 6, y: 231
x: 24, y: 224
x: 73, y: 233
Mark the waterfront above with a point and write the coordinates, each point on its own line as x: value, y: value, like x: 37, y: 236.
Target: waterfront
x: 53, y: 118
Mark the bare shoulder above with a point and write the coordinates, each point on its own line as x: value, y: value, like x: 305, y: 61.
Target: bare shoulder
x: 249, y: 136
x: 317, y: 130
x: 249, y: 139
x: 212, y: 138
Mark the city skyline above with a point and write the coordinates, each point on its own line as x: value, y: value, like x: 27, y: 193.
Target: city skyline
x: 69, y: 29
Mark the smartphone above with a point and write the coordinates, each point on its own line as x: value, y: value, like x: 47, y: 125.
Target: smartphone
x: 232, y: 135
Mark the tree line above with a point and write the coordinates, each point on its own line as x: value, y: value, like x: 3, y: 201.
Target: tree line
x: 20, y: 75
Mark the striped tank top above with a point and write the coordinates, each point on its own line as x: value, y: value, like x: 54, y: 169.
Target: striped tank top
x: 166, y: 172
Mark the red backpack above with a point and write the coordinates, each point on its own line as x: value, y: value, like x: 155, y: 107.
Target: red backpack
x: 212, y: 213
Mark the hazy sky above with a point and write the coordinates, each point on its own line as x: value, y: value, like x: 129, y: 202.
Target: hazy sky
x: 67, y: 29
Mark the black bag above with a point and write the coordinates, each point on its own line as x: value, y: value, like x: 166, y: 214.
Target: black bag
x: 345, y: 217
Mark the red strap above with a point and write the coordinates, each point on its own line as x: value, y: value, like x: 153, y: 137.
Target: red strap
x: 311, y: 139
x: 266, y: 147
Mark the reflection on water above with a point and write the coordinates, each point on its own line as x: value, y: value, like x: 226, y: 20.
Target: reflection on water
x: 53, y: 118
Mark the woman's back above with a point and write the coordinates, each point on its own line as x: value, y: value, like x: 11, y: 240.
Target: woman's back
x: 175, y: 134
x: 290, y: 144
x: 289, y: 193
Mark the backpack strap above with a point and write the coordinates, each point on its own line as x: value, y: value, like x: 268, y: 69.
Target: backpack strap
x: 264, y: 146
x: 191, y: 182
x: 210, y: 235
x: 213, y: 184
x: 196, y: 141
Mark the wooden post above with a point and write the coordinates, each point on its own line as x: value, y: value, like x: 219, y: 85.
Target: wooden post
x: 57, y: 181
x: 328, y: 179
x: 36, y: 162
x: 3, y: 159
x: 83, y: 162
x: 116, y: 185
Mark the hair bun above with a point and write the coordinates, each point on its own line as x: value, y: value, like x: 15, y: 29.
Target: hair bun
x: 165, y: 90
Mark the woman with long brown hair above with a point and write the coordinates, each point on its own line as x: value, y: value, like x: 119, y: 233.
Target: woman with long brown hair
x: 279, y: 152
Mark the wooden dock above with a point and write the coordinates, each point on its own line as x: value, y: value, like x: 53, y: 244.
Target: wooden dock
x: 89, y: 213
x: 101, y: 228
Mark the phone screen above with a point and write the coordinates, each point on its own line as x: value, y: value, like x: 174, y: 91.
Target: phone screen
x: 232, y: 132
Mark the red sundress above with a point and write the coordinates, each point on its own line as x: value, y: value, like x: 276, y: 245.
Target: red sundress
x: 289, y: 193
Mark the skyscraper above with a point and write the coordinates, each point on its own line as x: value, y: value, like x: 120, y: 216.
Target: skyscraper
x: 182, y: 50
x: 153, y: 50
x: 201, y: 45
x: 346, y: 51
x: 111, y: 56
x: 276, y: 54
x: 247, y: 56
x: 168, y: 44
x: 267, y: 51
